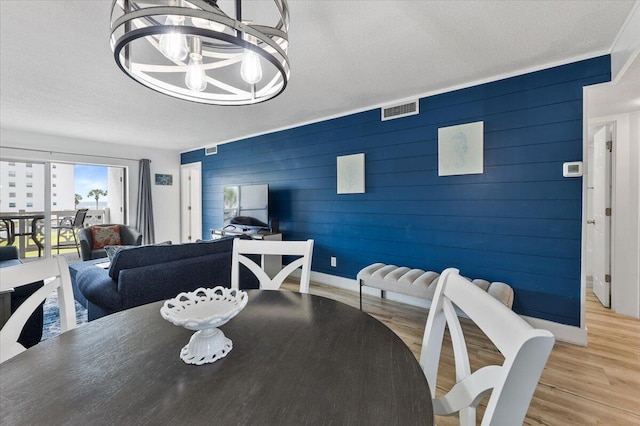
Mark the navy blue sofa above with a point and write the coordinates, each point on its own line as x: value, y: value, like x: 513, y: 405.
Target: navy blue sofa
x: 145, y: 274
x: 32, y: 330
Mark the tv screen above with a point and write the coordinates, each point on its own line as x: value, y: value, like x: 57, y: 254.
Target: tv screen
x: 246, y: 200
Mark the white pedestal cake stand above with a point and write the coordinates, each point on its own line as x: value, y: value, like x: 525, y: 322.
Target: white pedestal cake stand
x: 204, y: 310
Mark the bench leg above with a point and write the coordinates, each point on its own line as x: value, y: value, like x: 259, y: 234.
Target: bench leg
x: 360, y: 282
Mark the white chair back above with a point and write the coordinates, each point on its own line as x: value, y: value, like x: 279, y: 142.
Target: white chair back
x: 303, y: 249
x: 55, y: 273
x: 511, y: 384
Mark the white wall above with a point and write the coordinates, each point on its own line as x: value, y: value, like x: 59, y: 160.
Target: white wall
x: 20, y: 145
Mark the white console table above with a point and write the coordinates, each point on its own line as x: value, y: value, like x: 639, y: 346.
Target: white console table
x: 271, y: 264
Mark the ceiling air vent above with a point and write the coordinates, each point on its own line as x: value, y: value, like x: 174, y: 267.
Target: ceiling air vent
x: 210, y: 150
x: 398, y: 111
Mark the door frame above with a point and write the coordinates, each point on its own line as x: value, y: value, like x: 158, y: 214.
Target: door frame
x: 190, y: 208
x: 610, y: 133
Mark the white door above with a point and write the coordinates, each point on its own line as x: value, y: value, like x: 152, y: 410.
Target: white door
x: 601, y: 222
x: 191, y: 202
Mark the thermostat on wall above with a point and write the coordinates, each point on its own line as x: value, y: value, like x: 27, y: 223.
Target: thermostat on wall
x: 572, y: 169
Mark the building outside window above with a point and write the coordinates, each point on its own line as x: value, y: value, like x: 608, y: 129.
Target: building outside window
x: 70, y: 188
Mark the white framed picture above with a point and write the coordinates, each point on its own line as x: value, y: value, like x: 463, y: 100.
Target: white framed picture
x: 351, y: 174
x: 461, y: 149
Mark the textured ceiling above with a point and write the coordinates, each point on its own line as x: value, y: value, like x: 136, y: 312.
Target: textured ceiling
x: 58, y: 76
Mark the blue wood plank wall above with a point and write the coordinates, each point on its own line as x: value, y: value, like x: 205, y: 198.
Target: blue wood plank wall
x: 519, y: 222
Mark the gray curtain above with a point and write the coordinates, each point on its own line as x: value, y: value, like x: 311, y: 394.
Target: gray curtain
x: 144, y: 212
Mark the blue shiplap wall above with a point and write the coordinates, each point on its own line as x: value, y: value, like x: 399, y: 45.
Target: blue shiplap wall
x: 518, y: 222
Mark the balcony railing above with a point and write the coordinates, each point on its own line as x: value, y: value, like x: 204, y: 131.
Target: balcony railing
x: 24, y: 235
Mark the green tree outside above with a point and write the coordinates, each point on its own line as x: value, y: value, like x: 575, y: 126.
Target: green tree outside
x: 96, y: 193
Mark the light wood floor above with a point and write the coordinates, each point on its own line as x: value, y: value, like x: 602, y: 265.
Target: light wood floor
x: 594, y: 385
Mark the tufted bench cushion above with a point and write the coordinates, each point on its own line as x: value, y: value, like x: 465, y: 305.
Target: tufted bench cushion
x: 419, y: 283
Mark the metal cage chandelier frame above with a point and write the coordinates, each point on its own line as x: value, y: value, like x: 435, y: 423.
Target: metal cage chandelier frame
x: 192, y: 50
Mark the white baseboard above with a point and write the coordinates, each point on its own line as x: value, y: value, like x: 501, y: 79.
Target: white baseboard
x: 562, y: 332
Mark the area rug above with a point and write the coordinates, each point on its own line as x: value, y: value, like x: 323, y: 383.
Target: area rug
x: 51, y: 326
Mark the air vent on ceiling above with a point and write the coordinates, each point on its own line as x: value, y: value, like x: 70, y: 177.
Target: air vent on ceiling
x: 210, y: 150
x: 398, y: 111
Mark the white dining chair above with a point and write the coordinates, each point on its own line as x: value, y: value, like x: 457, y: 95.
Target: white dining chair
x: 55, y: 273
x: 511, y: 384
x: 302, y: 249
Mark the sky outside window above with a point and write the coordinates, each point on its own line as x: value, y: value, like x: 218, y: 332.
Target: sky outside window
x: 87, y: 178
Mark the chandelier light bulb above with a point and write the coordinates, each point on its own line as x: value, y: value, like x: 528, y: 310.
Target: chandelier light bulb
x: 173, y: 45
x: 251, y: 70
x: 195, y: 78
x: 204, y: 23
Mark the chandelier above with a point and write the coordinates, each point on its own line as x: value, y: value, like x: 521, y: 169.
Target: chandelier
x: 193, y: 50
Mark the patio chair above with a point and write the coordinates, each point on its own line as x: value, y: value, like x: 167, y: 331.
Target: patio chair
x: 71, y: 224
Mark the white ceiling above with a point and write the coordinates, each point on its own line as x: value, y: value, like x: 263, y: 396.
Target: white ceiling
x: 58, y: 76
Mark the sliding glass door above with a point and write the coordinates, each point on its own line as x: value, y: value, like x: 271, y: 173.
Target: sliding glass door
x: 36, y: 197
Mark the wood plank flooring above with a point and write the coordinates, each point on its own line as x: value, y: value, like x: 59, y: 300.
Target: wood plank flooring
x: 594, y: 385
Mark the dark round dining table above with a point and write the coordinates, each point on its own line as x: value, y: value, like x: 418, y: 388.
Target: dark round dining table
x: 297, y: 359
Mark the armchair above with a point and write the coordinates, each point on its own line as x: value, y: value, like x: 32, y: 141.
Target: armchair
x: 129, y: 236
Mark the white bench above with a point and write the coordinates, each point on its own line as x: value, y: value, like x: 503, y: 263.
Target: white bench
x: 419, y: 283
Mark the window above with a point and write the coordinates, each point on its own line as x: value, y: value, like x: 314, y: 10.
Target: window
x: 12, y: 184
x: 12, y: 195
x: 29, y: 204
x: 29, y: 165
x: 12, y: 204
x: 53, y: 166
x: 12, y: 173
x: 29, y: 184
x: 55, y: 204
x: 29, y: 174
x: 53, y: 185
x: 54, y: 195
x: 11, y: 164
x: 29, y: 194
x: 54, y: 176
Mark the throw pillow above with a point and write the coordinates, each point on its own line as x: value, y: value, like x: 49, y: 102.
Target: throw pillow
x: 112, y: 250
x: 105, y: 235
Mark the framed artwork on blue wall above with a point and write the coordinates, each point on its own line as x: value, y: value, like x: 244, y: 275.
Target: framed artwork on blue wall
x: 460, y: 149
x: 350, y: 174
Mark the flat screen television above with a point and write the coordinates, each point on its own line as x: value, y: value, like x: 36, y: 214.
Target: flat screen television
x: 247, y: 201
